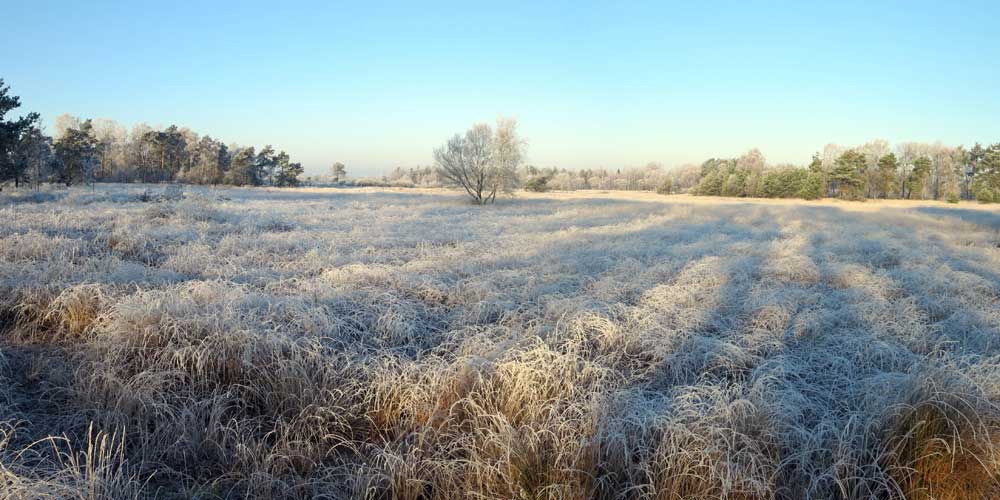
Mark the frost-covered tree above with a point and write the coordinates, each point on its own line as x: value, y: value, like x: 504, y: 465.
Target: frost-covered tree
x: 338, y: 171
x: 946, y: 172
x: 111, y: 146
x: 210, y: 162
x: 33, y: 157
x: 483, y: 162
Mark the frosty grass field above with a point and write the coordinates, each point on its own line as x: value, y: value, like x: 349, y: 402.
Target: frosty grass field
x: 231, y: 343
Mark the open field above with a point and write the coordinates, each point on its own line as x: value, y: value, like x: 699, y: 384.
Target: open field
x: 404, y: 344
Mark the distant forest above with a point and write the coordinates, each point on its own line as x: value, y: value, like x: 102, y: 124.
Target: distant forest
x: 874, y: 170
x: 86, y: 151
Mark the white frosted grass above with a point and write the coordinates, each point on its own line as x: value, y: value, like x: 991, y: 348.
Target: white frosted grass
x: 346, y: 343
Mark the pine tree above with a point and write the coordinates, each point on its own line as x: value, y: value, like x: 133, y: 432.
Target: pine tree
x: 986, y: 185
x: 916, y: 182
x: 76, y: 153
x: 243, y: 168
x: 847, y: 175
x: 887, y: 167
x: 817, y: 187
x: 286, y: 173
x: 267, y: 160
x: 12, y: 133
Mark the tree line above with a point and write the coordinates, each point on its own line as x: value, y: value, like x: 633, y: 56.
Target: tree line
x: 650, y: 177
x: 875, y: 170
x: 911, y: 171
x: 486, y: 162
x: 87, y: 151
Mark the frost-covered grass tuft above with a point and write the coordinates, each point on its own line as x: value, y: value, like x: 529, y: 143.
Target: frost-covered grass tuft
x: 198, y: 343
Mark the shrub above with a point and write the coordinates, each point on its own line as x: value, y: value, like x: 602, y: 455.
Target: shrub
x: 665, y: 187
x: 537, y: 184
x: 952, y: 198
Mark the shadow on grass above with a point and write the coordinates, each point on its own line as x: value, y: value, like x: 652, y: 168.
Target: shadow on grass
x: 985, y: 218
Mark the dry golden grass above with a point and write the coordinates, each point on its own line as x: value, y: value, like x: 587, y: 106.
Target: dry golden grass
x: 401, y: 344
x: 944, y: 445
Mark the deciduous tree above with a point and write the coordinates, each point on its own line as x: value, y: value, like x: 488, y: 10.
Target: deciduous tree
x: 338, y: 171
x: 483, y: 162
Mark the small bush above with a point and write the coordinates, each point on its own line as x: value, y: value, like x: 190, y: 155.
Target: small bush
x: 537, y: 185
x: 952, y: 198
x: 665, y: 187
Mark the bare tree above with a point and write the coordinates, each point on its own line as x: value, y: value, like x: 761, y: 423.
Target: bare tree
x: 63, y: 123
x: 483, y: 162
x: 338, y: 171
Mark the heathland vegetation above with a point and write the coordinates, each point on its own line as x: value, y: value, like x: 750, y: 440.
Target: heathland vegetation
x: 231, y: 343
x: 204, y: 340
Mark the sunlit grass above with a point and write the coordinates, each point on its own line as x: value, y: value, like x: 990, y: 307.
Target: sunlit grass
x: 362, y: 344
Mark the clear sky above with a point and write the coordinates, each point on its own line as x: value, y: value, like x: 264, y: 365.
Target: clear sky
x: 611, y: 84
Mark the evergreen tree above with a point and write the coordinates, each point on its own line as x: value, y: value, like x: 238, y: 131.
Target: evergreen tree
x: 916, y: 182
x: 818, y: 175
x: 812, y: 187
x: 886, y: 179
x: 847, y: 175
x: 167, y: 149
x: 986, y: 185
x: 286, y: 172
x: 76, y: 154
x: 243, y: 168
x: 12, y: 134
x: 267, y: 160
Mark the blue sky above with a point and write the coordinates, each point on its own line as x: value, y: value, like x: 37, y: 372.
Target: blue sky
x: 376, y: 85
